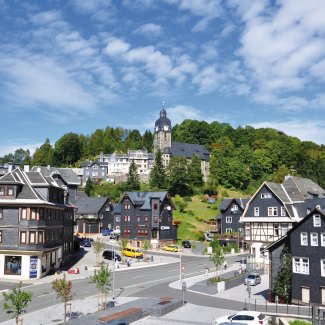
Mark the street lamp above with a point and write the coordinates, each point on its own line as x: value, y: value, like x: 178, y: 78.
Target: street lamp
x: 180, y: 267
x: 113, y: 284
x: 89, y: 230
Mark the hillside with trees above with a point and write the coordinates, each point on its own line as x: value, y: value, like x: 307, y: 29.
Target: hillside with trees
x: 241, y: 158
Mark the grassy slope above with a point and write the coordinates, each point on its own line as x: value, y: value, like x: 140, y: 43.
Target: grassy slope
x: 192, y: 224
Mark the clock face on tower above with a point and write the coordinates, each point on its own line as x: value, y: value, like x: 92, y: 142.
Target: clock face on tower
x: 166, y: 128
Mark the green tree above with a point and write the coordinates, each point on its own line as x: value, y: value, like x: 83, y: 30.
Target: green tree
x: 195, y: 174
x: 146, y: 245
x: 157, y: 177
x: 102, y: 280
x: 98, y: 247
x: 89, y: 187
x: 16, y: 301
x: 178, y: 177
x: 180, y: 203
x: 217, y: 256
x: 67, y: 150
x: 124, y: 242
x: 133, y: 179
x: 147, y: 140
x: 133, y: 140
x: 63, y: 289
x: 282, y: 285
x: 43, y: 155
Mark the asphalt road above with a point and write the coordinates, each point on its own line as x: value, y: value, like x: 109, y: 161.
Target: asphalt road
x: 145, y: 282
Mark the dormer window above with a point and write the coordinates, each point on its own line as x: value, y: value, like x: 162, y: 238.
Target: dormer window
x: 317, y: 221
x: 266, y: 195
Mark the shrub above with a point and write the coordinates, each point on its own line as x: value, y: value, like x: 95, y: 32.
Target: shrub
x: 190, y: 212
x: 299, y: 322
x: 188, y: 198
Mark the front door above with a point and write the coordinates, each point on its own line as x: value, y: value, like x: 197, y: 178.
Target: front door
x: 305, y: 295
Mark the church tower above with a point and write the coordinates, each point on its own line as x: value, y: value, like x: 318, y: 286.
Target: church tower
x: 163, y: 133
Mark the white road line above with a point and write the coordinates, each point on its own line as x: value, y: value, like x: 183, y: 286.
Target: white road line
x: 138, y: 276
x: 46, y: 294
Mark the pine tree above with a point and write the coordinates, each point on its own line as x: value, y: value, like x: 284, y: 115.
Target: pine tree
x: 195, y: 172
x: 157, y: 176
x: 89, y: 186
x: 133, y: 180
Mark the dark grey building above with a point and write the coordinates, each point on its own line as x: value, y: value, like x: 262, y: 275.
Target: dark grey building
x: 65, y: 177
x: 231, y: 209
x: 306, y: 245
x: 93, y: 214
x: 36, y: 225
x: 95, y: 170
x: 146, y: 215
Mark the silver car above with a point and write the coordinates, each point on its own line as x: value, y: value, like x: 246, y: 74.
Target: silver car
x: 253, y: 279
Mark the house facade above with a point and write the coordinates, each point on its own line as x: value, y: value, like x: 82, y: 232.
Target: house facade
x: 275, y: 208
x: 36, y: 225
x: 94, y: 170
x: 143, y: 216
x: 306, y: 246
x: 231, y: 209
x: 93, y: 214
x: 163, y: 142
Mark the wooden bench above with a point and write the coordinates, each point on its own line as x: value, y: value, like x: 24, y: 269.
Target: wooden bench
x: 121, y: 314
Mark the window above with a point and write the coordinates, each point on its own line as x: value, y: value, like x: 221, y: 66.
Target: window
x: 127, y: 231
x: 138, y: 219
x: 23, y: 214
x: 284, y: 228
x: 247, y: 231
x: 32, y: 237
x: 2, y: 191
x: 303, y: 239
x: 155, y: 219
x: 228, y: 230
x: 10, y: 191
x: 95, y: 167
x: 23, y: 237
x: 155, y: 206
x: 314, y: 239
x: 300, y: 265
x: 127, y: 206
x: 272, y: 211
x: 322, y: 267
x: 266, y: 195
x: 234, y: 207
x: 12, y: 265
x: 317, y: 222
x: 283, y: 212
x: 256, y: 212
x: 127, y: 218
x: 228, y: 219
x: 322, y: 239
x: 0, y: 236
x: 94, y: 173
x: 276, y: 229
x: 145, y: 219
x: 33, y: 214
x: 40, y: 237
x: 1, y: 213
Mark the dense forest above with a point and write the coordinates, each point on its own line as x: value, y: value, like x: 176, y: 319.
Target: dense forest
x: 241, y: 158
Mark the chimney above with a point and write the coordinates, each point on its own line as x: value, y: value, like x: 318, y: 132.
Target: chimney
x: 48, y: 167
x: 26, y: 168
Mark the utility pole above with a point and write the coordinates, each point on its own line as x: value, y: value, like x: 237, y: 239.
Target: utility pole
x: 113, y: 284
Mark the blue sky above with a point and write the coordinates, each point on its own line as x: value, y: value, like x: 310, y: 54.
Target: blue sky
x: 78, y: 65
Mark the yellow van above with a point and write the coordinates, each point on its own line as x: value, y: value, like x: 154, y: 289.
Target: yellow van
x: 132, y: 252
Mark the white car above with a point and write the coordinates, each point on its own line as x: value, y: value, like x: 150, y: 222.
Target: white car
x: 245, y: 316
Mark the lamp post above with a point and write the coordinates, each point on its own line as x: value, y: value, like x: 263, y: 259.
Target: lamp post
x: 113, y: 284
x: 180, y: 267
x: 89, y: 230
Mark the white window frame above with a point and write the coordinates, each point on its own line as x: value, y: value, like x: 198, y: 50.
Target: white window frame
x: 314, y: 239
x: 284, y: 229
x: 300, y: 265
x: 228, y: 230
x: 235, y: 207
x: 303, y: 239
x: 272, y: 211
x: 256, y: 211
x: 283, y: 212
x: 94, y: 173
x: 266, y: 195
x: 95, y: 167
x: 322, y: 239
x: 322, y: 267
x: 228, y: 219
x: 317, y: 220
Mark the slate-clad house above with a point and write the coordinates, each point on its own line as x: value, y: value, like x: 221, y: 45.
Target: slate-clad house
x: 163, y: 142
x: 95, y: 170
x: 231, y: 209
x: 36, y: 225
x: 275, y: 208
x: 306, y: 244
x: 93, y: 214
x: 146, y: 215
x: 65, y: 177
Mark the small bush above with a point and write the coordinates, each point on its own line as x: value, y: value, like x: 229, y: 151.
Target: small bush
x: 225, y: 193
x: 299, y: 322
x: 190, y: 212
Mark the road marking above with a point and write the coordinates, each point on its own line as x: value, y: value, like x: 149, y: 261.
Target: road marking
x: 46, y: 294
x: 171, y: 271
x: 138, y: 276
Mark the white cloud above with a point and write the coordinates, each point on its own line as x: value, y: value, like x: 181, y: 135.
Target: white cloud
x: 150, y: 30
x: 208, y: 80
x: 11, y: 147
x: 116, y: 46
x: 305, y: 130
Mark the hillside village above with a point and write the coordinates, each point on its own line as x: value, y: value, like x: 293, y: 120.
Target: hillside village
x: 43, y: 208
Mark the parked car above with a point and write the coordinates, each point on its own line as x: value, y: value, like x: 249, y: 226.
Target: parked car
x: 253, y: 279
x: 106, y: 232
x: 132, y: 252
x: 86, y: 243
x: 108, y: 255
x: 186, y: 244
x: 170, y: 248
x: 245, y: 316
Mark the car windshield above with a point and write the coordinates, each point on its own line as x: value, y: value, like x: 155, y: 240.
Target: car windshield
x: 251, y: 276
x: 261, y: 316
